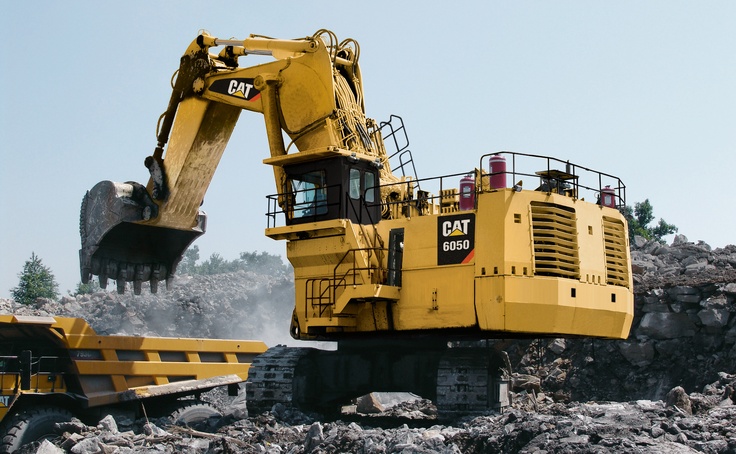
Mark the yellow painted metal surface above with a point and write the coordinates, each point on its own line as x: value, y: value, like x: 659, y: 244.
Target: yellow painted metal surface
x: 197, y: 142
x: 436, y: 298
x: 106, y: 367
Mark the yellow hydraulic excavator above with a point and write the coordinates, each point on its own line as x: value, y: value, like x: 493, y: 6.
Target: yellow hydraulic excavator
x: 405, y: 274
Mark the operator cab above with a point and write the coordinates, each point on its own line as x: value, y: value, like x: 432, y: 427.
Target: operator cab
x: 341, y: 187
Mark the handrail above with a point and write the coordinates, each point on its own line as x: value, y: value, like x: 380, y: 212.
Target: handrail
x: 349, y: 277
x: 575, y: 170
x: 290, y: 204
x: 552, y: 173
x: 10, y: 365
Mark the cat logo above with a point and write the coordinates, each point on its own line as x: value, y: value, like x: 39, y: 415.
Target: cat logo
x: 238, y: 87
x: 5, y: 400
x: 455, y: 239
x: 458, y: 227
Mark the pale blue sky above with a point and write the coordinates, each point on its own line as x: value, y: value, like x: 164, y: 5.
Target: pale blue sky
x: 645, y: 90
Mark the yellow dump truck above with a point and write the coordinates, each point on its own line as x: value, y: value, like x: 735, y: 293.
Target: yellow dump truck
x: 55, y: 368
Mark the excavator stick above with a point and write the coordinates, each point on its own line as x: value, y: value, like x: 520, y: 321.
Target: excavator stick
x: 118, y: 244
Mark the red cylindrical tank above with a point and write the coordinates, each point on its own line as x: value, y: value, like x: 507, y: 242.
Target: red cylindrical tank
x: 467, y: 193
x: 498, y: 171
x: 608, y: 197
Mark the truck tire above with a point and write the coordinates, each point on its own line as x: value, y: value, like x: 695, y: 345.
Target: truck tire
x: 31, y: 424
x: 193, y: 413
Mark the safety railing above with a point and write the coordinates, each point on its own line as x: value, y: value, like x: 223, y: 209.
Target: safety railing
x: 290, y: 206
x: 29, y: 372
x: 550, y: 175
x: 437, y: 195
x: 299, y: 206
x: 322, y: 293
x: 401, y: 160
x: 320, y: 296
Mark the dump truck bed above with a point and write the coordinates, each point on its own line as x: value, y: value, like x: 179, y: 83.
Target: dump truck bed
x: 46, y: 355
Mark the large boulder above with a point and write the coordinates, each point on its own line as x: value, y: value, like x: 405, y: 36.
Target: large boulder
x: 677, y: 397
x: 637, y: 353
x: 714, y: 319
x: 369, y: 404
x: 665, y: 325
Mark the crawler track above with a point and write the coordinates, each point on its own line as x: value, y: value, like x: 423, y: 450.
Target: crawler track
x: 463, y: 379
x: 271, y: 378
x: 460, y: 381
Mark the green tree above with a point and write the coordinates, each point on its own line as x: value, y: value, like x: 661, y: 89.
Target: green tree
x: 215, y: 265
x: 36, y: 281
x: 87, y: 289
x: 639, y: 219
x: 262, y: 262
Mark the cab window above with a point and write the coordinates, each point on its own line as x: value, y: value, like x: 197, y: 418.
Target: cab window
x: 354, y: 183
x: 370, y: 186
x: 309, y: 194
x: 362, y: 186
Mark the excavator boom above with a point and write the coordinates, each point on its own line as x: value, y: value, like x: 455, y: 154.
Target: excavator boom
x: 136, y: 233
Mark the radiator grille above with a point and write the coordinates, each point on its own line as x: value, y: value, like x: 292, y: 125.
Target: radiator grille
x: 617, y: 266
x: 555, y: 240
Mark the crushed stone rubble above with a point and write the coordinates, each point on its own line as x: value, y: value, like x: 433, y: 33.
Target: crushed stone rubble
x: 668, y: 388
x: 593, y: 427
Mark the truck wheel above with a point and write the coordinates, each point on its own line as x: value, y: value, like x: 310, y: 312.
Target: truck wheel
x: 31, y: 424
x: 194, y: 413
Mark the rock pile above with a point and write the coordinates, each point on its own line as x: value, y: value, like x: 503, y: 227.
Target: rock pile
x: 238, y: 305
x: 629, y: 427
x: 657, y: 265
x: 683, y: 334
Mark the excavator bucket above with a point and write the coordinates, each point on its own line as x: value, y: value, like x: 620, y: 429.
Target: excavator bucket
x: 120, y: 242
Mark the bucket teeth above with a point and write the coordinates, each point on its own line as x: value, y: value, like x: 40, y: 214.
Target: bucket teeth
x: 130, y: 272
x: 86, y: 274
x: 127, y: 272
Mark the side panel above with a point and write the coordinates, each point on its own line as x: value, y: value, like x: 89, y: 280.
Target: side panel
x: 551, y: 305
x: 436, y: 299
x: 490, y: 304
x: 549, y: 269
x: 503, y: 238
x: 436, y: 295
